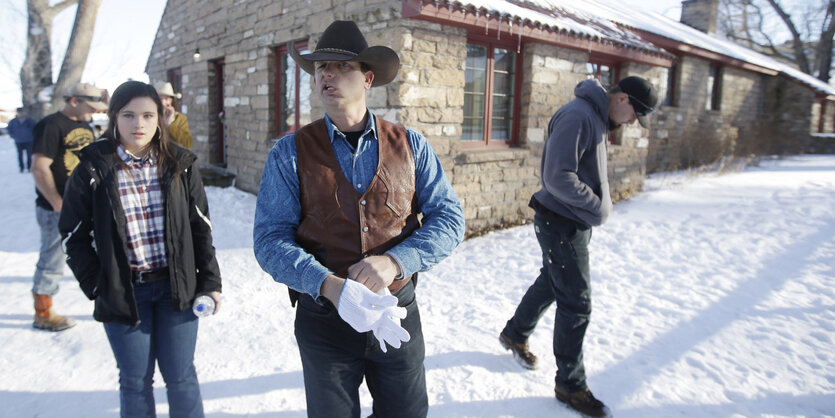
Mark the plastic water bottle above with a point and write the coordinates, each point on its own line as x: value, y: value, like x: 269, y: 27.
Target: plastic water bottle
x: 203, y: 306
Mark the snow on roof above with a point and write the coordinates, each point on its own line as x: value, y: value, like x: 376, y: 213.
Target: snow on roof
x: 561, y: 19
x: 607, y: 20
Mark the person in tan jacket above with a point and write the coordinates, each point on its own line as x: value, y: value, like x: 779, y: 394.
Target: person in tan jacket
x: 176, y: 122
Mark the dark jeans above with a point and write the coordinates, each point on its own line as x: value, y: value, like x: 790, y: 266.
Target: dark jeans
x: 163, y: 336
x: 564, y: 278
x: 24, y: 148
x: 335, y: 359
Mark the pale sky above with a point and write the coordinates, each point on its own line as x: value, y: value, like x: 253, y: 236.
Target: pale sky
x: 122, y: 40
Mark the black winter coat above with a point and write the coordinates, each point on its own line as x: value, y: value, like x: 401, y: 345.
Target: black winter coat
x: 93, y: 223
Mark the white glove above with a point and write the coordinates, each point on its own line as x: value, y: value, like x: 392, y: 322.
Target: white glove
x: 388, y: 330
x: 361, y: 308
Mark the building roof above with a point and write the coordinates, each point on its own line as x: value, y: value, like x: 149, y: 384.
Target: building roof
x: 628, y: 26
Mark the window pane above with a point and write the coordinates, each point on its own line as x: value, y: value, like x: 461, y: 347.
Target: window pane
x: 711, y: 82
x: 502, y: 106
x: 476, y: 56
x: 473, y: 105
x: 503, y: 81
x: 304, y: 93
x: 294, y: 85
x: 475, y: 85
x: 501, y: 130
x: 288, y: 99
x: 304, y: 96
x: 474, y: 80
x: 505, y: 60
x: 472, y: 129
x: 607, y: 76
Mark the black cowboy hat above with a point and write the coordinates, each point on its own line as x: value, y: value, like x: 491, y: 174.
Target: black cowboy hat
x: 343, y: 41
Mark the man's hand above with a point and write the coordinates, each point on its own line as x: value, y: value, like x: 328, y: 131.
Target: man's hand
x: 44, y: 181
x: 376, y: 272
x: 362, y: 308
x: 168, y: 113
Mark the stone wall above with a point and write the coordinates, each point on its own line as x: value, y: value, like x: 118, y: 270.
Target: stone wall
x: 687, y: 134
x: 494, y: 184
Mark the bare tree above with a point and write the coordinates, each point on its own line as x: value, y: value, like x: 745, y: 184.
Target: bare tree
x: 36, y: 71
x: 809, y: 26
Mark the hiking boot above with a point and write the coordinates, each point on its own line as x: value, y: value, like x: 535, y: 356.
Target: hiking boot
x: 46, y: 318
x: 583, y: 402
x: 520, y: 352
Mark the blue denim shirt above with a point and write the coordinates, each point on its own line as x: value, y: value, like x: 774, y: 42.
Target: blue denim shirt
x: 278, y: 209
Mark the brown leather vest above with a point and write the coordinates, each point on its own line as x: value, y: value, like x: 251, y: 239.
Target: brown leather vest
x: 338, y: 225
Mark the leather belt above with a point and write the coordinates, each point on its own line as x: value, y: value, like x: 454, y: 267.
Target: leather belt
x: 150, y: 276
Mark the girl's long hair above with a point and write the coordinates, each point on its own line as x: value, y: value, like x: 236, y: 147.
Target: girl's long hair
x: 126, y: 92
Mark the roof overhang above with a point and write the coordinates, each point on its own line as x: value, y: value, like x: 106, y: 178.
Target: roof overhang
x: 683, y: 48
x: 498, y: 25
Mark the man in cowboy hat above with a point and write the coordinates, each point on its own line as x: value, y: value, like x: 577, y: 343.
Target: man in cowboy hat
x: 337, y: 221
x: 57, y: 140
x: 175, y: 122
x: 574, y: 197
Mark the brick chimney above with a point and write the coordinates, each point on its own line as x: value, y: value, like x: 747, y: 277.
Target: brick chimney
x: 700, y: 14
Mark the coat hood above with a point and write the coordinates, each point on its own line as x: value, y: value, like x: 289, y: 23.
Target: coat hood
x: 592, y: 92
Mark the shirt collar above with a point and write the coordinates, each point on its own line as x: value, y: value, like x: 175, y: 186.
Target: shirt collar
x: 128, y: 158
x: 370, y: 126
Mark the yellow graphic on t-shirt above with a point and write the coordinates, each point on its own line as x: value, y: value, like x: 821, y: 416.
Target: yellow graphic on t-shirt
x: 77, y: 139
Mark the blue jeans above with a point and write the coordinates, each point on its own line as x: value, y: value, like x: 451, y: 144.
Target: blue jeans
x: 164, y: 336
x: 564, y: 278
x: 24, y: 148
x: 50, y: 265
x: 335, y: 359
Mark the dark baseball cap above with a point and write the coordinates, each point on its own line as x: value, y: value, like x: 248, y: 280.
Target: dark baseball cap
x: 642, y: 97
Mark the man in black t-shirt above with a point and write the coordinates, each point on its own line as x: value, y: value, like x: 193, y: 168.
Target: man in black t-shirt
x: 57, y: 140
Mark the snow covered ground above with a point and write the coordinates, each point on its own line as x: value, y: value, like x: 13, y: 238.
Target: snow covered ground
x: 713, y: 296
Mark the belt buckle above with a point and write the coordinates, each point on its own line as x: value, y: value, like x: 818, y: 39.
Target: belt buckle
x: 140, y: 274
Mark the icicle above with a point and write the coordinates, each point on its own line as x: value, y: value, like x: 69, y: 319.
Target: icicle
x: 510, y: 23
x: 519, y: 45
x: 487, y: 23
x: 499, y: 28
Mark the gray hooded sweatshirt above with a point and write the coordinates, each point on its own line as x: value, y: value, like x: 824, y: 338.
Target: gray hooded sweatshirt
x: 573, y: 172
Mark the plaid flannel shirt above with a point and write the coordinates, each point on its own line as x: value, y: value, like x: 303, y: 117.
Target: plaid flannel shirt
x: 142, y: 201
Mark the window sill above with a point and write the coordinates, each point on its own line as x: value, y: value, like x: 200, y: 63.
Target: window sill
x: 483, y: 155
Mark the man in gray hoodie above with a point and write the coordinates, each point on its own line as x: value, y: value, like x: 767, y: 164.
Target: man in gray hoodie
x: 574, y: 197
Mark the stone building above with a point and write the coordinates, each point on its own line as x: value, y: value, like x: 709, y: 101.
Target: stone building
x: 481, y: 80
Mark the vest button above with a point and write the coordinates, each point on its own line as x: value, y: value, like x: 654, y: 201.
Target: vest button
x: 362, y: 202
x: 365, y: 229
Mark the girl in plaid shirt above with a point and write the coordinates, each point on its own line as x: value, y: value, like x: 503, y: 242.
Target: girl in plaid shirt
x: 136, y: 227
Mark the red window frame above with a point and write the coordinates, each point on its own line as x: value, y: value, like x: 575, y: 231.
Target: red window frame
x: 491, y: 44
x: 282, y: 53
x: 597, y: 74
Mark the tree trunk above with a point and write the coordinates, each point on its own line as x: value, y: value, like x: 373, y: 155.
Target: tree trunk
x: 37, y: 90
x: 36, y: 72
x: 824, y: 51
x: 77, y: 50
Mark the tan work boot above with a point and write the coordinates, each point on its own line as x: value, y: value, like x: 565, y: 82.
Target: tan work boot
x: 46, y: 318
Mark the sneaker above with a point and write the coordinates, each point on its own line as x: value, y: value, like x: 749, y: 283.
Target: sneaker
x: 583, y: 402
x: 520, y: 352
